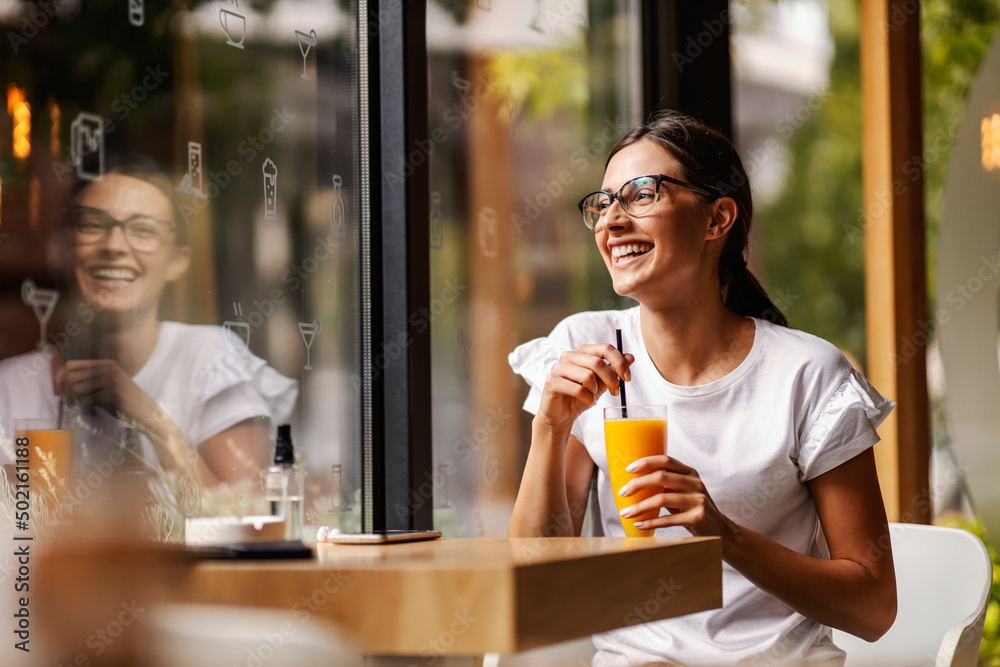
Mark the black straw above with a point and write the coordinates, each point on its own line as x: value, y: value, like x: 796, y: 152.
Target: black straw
x: 621, y: 385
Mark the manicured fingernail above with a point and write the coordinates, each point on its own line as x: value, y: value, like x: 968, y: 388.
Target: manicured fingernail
x: 623, y: 491
x: 625, y: 512
x: 639, y: 524
x: 632, y: 467
x: 628, y: 375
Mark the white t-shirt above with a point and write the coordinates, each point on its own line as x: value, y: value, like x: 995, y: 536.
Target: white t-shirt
x: 203, y: 377
x: 792, y: 410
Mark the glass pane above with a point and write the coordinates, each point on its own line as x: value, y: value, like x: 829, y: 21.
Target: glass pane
x: 526, y: 99
x: 236, y: 125
x: 797, y: 120
x: 960, y: 162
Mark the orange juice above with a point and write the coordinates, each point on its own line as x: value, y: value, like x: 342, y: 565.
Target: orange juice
x: 640, y: 434
x: 51, y: 449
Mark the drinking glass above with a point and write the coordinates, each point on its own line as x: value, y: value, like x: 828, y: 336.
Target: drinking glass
x: 632, y: 433
x: 50, y: 448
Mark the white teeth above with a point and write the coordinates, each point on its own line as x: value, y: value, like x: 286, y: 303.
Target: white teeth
x: 630, y: 249
x: 114, y: 274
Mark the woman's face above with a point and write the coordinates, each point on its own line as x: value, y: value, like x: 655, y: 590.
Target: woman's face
x: 109, y: 271
x: 664, y: 252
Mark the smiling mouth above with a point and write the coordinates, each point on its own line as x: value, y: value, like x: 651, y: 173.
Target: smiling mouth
x: 624, y: 252
x: 113, y: 275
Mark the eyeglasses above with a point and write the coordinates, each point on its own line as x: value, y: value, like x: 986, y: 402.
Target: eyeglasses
x: 143, y: 232
x: 636, y: 197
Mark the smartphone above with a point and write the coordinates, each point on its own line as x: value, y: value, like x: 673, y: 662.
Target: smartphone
x: 383, y: 537
x: 263, y: 550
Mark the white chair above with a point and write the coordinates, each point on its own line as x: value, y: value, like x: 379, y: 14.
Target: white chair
x: 576, y: 653
x: 182, y: 635
x: 943, y: 580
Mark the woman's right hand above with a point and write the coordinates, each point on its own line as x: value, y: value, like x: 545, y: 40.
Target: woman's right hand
x: 578, y: 380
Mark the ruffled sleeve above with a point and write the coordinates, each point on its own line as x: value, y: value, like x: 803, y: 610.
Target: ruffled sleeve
x: 534, y: 361
x: 845, y: 427
x: 238, y: 385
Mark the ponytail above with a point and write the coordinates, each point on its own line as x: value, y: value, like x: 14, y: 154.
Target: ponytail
x: 744, y: 295
x: 740, y: 290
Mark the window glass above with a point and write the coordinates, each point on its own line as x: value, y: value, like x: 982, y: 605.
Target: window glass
x: 960, y: 164
x: 235, y: 127
x: 797, y: 125
x: 526, y: 99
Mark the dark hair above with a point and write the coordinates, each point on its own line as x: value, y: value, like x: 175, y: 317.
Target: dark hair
x: 711, y: 162
x: 145, y: 169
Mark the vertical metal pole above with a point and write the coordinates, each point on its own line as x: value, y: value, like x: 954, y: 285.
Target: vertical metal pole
x: 686, y: 60
x: 368, y: 472
x: 398, y: 357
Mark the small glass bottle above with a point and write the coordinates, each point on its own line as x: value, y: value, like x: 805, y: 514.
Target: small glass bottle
x: 284, y: 485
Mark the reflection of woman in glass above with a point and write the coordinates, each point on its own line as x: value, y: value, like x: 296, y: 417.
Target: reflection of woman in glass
x: 204, y: 403
x: 770, y: 430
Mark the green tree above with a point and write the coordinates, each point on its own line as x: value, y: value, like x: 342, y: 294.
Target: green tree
x: 811, y: 234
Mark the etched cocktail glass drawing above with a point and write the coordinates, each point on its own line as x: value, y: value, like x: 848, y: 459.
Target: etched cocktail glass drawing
x: 309, y: 331
x: 43, y: 302
x: 191, y: 497
x: 443, y: 496
x: 307, y: 40
x: 437, y: 222
x: 193, y: 180
x: 536, y: 20
x: 241, y: 329
x: 492, y: 466
x: 224, y: 15
x: 136, y: 12
x: 465, y: 345
x: 512, y: 114
x: 335, y: 491
x: 86, y: 145
x: 488, y: 241
x: 337, y: 207
x: 270, y: 171
x: 461, y: 85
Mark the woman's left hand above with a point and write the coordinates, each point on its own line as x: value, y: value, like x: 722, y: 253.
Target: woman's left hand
x: 681, y: 491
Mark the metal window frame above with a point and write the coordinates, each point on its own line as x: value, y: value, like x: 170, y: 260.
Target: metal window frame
x: 685, y: 59
x: 396, y: 369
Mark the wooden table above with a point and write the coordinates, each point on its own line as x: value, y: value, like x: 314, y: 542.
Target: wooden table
x: 475, y: 596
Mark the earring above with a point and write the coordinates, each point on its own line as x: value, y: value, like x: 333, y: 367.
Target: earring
x: 711, y: 232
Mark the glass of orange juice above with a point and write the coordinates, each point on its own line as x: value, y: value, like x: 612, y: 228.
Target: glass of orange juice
x: 631, y: 433
x: 49, y: 448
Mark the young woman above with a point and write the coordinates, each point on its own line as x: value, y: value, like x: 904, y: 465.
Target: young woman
x: 204, y: 403
x: 770, y: 430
